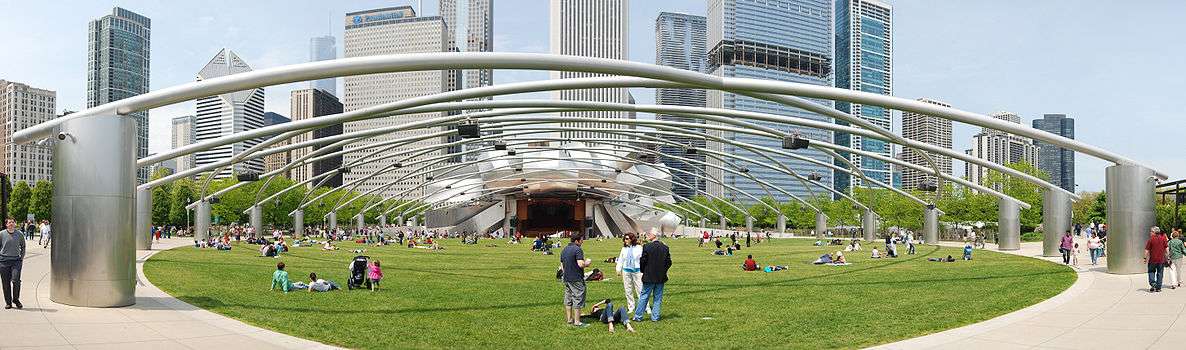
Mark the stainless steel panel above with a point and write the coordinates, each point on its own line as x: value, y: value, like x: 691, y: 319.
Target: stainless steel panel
x: 257, y: 219
x: 749, y: 224
x: 723, y: 224
x: 1008, y: 225
x: 202, y: 220
x: 1130, y: 216
x: 1056, y: 220
x: 298, y: 223
x: 360, y: 220
x: 869, y: 225
x: 143, y: 229
x: 93, y: 258
x: 383, y: 220
x: 821, y: 224
x: 782, y: 223
x: 930, y: 226
x: 332, y: 220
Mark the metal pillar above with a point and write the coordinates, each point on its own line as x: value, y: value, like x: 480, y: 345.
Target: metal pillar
x: 361, y: 221
x: 782, y: 223
x: 298, y: 224
x: 257, y: 219
x: 1130, y: 215
x: 1056, y: 220
x: 383, y: 220
x: 703, y: 222
x: 415, y: 220
x: 202, y: 220
x: 930, y: 225
x: 821, y: 224
x: 724, y: 224
x: 869, y: 225
x: 143, y: 230
x: 94, y: 250
x: 1008, y: 225
x: 749, y: 224
x: 332, y: 221
x: 399, y: 221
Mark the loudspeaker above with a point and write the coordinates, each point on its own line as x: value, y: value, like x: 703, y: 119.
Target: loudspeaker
x: 814, y: 177
x: 247, y: 177
x: 927, y: 187
x: 500, y: 146
x: 469, y: 131
x: 794, y: 142
x: 1181, y: 198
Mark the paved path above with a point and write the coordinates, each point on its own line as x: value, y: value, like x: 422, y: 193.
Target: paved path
x: 157, y: 321
x: 1100, y: 311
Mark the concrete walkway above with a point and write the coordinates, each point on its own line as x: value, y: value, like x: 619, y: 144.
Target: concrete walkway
x: 1100, y: 311
x: 157, y: 321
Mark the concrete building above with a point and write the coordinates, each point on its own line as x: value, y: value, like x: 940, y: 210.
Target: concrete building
x: 183, y: 135
x: 864, y: 62
x: 590, y: 28
x: 742, y: 44
x: 226, y: 114
x: 276, y: 161
x: 323, y: 48
x: 312, y: 103
x: 117, y: 67
x: 393, y: 30
x: 926, y: 129
x: 999, y: 147
x: 23, y: 106
x: 1056, y: 161
x: 680, y: 43
x: 471, y: 29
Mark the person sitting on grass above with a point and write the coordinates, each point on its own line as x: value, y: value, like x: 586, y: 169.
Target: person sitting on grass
x: 375, y: 274
x: 328, y: 246
x: 840, y: 258
x: 267, y: 250
x: 605, y: 312
x: 823, y: 259
x: 729, y: 251
x: 749, y: 264
x: 967, y: 251
x: 717, y: 241
x: 280, y: 278
x: 876, y: 254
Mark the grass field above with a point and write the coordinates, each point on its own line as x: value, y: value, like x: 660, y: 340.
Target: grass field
x: 468, y: 297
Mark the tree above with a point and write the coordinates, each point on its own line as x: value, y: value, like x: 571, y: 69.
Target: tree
x: 1021, y: 189
x: 41, y: 200
x: 161, y: 196
x: 18, y: 201
x: 1081, y: 210
x: 182, y: 194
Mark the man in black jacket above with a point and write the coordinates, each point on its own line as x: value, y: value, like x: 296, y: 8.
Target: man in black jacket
x: 654, y: 262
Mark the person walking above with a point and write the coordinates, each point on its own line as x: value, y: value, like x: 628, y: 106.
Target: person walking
x: 12, y: 256
x: 573, y: 264
x: 910, y: 243
x: 1155, y: 251
x: 1066, y: 246
x: 629, y: 268
x: 655, y: 261
x: 44, y: 240
x: 1177, y: 251
x: 1095, y: 247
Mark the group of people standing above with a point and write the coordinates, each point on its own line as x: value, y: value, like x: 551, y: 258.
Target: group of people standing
x: 1163, y: 252
x: 643, y: 269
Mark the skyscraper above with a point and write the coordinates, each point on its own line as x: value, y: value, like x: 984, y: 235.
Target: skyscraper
x: 784, y: 40
x: 999, y: 147
x: 323, y: 48
x: 312, y: 103
x: 393, y: 30
x: 117, y: 67
x: 864, y: 55
x: 227, y: 114
x: 183, y: 135
x: 590, y: 28
x: 1056, y: 161
x: 276, y: 161
x: 926, y: 129
x: 471, y: 29
x: 680, y: 43
x: 22, y: 106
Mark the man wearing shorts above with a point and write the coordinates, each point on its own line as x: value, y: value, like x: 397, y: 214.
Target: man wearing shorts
x: 573, y: 263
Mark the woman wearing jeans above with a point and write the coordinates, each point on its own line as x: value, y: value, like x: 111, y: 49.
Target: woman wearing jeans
x: 628, y: 268
x: 1095, y: 248
x: 1066, y: 247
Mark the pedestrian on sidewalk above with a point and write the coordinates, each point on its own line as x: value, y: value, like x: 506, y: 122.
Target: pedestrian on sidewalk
x: 1177, y: 248
x: 12, y: 256
x: 1067, y: 247
x: 1155, y: 258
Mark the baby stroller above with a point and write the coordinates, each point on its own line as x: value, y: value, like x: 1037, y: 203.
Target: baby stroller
x: 358, y: 273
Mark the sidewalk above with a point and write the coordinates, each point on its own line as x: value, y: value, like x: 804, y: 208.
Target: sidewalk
x: 157, y: 321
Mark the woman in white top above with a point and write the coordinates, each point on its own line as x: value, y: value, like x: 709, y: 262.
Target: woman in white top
x: 628, y: 267
x: 1094, y: 247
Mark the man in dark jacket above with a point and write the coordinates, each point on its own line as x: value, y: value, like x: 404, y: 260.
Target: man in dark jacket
x: 12, y: 254
x: 654, y: 262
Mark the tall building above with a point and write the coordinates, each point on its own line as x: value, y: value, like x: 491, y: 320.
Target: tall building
x: 23, y: 106
x: 680, y: 43
x: 471, y: 29
x: 393, y: 30
x: 926, y: 129
x: 117, y: 67
x: 323, y: 48
x: 787, y: 40
x: 1056, y: 161
x: 999, y: 147
x: 275, y: 161
x: 227, y: 114
x: 590, y: 28
x: 312, y: 103
x: 864, y: 58
x: 183, y: 135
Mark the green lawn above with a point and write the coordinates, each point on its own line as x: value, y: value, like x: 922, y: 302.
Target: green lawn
x: 472, y: 297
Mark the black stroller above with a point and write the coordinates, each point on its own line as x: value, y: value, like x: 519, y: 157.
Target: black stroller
x: 358, y: 273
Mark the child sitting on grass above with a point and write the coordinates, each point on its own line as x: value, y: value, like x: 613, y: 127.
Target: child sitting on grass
x: 374, y: 273
x: 967, y: 251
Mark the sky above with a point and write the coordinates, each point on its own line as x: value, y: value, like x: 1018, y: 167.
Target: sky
x: 1112, y: 66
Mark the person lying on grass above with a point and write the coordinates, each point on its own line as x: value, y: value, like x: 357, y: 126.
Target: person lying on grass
x: 320, y: 285
x: 948, y: 259
x: 749, y: 264
x: 605, y: 312
x: 839, y: 258
x: 823, y: 259
x: 774, y: 268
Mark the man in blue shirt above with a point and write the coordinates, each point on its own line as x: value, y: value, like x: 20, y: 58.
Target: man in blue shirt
x: 573, y: 263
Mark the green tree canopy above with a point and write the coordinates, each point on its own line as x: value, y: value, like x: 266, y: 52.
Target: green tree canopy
x: 18, y: 201
x: 41, y: 200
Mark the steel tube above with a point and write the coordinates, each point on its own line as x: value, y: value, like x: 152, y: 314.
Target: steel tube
x: 298, y: 224
x: 869, y: 225
x: 1056, y: 220
x: 202, y: 221
x: 1008, y: 225
x: 257, y: 219
x: 1130, y: 216
x: 930, y: 225
x: 821, y: 225
x: 143, y: 229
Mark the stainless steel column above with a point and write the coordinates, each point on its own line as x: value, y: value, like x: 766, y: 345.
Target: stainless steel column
x: 749, y: 224
x: 869, y: 225
x: 1056, y: 220
x: 782, y: 223
x: 93, y: 259
x: 332, y: 220
x: 143, y: 230
x: 724, y: 224
x: 821, y: 224
x: 257, y: 219
x: 399, y: 221
x: 703, y: 222
x: 1130, y: 215
x: 361, y: 221
x: 930, y: 225
x: 1008, y: 225
x: 202, y: 220
x: 382, y: 220
x: 298, y: 223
